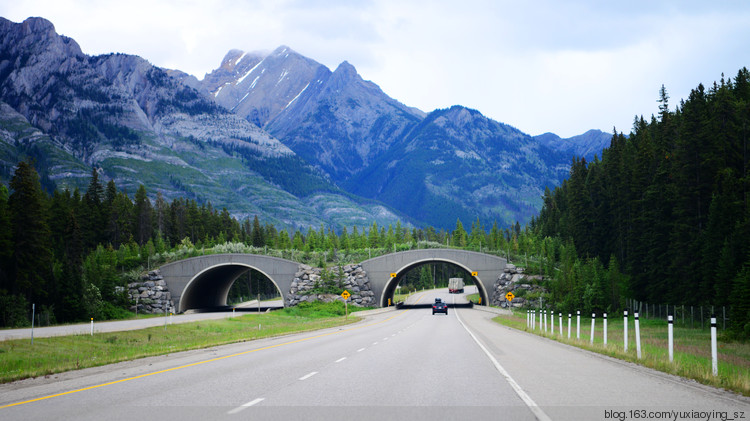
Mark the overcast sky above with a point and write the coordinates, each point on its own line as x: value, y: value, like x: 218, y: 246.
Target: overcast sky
x: 541, y: 66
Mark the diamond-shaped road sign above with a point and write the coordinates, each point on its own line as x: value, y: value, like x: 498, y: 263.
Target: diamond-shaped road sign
x: 509, y: 296
x: 346, y: 294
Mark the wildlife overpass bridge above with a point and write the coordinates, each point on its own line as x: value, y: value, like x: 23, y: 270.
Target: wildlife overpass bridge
x: 204, y: 281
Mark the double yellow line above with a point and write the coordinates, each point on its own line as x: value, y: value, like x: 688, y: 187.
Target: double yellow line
x: 197, y: 363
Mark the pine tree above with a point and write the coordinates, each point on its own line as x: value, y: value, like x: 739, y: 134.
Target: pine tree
x: 32, y: 255
x: 143, y: 227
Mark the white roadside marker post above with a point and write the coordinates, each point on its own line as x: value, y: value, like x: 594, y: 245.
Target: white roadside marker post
x: 714, y: 356
x: 593, y: 319
x: 92, y: 326
x: 561, y: 324
x: 670, y: 330
x: 578, y: 324
x: 625, y: 331
x: 552, y: 322
x: 569, y: 317
x: 637, y: 336
x: 33, y: 310
x: 605, y: 329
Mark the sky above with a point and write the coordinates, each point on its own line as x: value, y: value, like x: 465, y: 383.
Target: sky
x: 541, y: 66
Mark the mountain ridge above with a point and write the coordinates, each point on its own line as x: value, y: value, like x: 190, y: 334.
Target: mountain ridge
x: 266, y: 133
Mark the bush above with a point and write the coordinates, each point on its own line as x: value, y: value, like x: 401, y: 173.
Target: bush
x: 317, y: 309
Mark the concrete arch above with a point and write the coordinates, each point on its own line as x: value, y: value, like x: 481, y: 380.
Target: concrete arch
x: 487, y: 269
x: 204, y: 281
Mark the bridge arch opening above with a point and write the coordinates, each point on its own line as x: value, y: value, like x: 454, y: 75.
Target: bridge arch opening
x: 390, y: 288
x: 210, y: 288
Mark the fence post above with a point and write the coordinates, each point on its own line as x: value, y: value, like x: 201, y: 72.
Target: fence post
x: 605, y: 329
x: 714, y: 357
x: 625, y: 330
x: 637, y: 336
x: 670, y: 330
x: 593, y: 319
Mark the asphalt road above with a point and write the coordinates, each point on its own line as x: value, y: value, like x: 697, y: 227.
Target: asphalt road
x: 405, y: 364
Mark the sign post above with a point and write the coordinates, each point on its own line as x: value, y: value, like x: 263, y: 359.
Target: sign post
x: 509, y: 296
x: 345, y: 295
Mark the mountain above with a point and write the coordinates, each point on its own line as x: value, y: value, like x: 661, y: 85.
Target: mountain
x: 435, y: 167
x: 137, y: 124
x: 335, y: 120
x: 585, y: 145
x: 276, y: 134
x: 458, y: 163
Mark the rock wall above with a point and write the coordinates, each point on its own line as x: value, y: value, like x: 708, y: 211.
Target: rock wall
x: 151, y: 293
x: 354, y: 280
x: 512, y: 279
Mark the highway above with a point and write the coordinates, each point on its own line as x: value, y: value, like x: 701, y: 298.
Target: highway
x: 403, y: 364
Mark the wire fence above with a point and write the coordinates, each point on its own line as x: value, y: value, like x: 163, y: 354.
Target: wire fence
x: 696, y: 317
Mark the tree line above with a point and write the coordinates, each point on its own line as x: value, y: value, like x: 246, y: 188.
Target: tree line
x: 667, y: 204
x: 72, y: 253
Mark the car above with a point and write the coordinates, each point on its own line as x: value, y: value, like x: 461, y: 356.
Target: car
x: 439, y: 307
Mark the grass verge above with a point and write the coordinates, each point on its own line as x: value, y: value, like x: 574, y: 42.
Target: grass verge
x: 19, y: 359
x: 692, y: 348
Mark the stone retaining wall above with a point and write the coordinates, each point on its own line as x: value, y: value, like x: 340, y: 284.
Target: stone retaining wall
x: 512, y: 279
x: 354, y: 280
x: 151, y: 293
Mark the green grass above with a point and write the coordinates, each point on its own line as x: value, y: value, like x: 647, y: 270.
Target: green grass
x: 19, y: 359
x: 692, y: 348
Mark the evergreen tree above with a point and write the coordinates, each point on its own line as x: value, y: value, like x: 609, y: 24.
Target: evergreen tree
x: 32, y: 255
x: 143, y: 227
x: 257, y: 238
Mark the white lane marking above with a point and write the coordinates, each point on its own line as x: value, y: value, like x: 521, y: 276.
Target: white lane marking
x: 385, y: 339
x: 393, y: 335
x: 307, y: 376
x: 340, y: 359
x: 245, y: 406
x: 538, y: 413
x: 361, y: 349
x: 374, y: 343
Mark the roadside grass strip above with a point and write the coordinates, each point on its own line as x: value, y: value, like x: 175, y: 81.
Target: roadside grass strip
x: 692, y: 348
x: 194, y: 333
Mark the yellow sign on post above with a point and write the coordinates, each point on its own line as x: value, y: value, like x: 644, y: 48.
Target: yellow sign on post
x: 509, y: 296
x: 345, y: 295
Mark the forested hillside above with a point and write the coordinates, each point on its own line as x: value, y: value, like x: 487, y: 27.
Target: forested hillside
x: 669, y: 202
x: 73, y: 253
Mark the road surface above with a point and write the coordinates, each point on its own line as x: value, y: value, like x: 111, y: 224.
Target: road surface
x: 404, y: 364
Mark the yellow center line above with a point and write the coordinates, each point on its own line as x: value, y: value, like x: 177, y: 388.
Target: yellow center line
x: 198, y: 363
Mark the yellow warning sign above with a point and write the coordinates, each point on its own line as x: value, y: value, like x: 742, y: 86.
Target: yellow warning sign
x: 474, y: 273
x: 394, y: 274
x: 509, y: 296
x: 346, y: 294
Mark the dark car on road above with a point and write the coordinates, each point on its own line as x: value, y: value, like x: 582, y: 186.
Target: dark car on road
x: 439, y: 307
